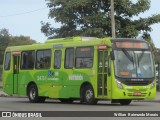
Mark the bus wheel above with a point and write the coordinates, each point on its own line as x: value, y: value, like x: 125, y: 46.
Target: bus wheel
x: 66, y: 100
x: 33, y: 94
x: 124, y: 102
x: 89, y: 95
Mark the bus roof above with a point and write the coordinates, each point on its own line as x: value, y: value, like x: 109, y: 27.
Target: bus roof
x: 62, y: 43
x: 70, y: 39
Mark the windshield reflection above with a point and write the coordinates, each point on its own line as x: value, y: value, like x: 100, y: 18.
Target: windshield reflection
x: 133, y: 64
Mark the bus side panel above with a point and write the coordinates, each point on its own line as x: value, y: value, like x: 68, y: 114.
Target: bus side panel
x: 25, y: 77
x: 73, y: 81
x: 60, y: 84
x: 56, y: 91
x: 49, y: 82
x: 7, y: 82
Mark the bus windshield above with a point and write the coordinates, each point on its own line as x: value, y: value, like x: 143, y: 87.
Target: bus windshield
x: 133, y: 64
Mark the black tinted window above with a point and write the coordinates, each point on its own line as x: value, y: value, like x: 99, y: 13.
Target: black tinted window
x: 57, y: 59
x: 27, y: 60
x: 84, y: 57
x: 43, y: 59
x: 7, y: 61
x: 69, y: 58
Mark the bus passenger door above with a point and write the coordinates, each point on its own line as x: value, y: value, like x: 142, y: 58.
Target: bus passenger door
x: 15, y: 73
x: 102, y: 72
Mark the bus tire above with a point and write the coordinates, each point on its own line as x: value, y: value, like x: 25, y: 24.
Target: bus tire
x: 125, y: 102
x: 33, y: 94
x: 89, y: 95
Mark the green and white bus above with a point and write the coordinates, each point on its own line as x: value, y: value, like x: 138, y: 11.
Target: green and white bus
x: 84, y: 68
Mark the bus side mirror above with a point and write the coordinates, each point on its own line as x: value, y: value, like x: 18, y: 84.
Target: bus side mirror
x: 112, y: 55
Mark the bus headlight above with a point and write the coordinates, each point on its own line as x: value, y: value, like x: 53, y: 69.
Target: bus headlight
x: 153, y: 85
x: 119, y: 84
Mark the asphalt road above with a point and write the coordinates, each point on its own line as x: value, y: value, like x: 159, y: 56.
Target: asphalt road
x: 22, y: 104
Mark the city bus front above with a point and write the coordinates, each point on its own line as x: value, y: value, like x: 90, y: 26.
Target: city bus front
x: 134, y: 70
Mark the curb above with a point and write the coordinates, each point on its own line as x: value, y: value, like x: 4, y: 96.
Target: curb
x: 146, y: 100
x: 2, y: 94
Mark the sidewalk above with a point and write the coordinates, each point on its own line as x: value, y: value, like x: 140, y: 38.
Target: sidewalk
x: 2, y: 94
x: 0, y: 83
x: 157, y: 99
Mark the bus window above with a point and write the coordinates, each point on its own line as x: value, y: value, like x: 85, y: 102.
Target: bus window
x: 43, y: 59
x: 84, y: 57
x: 27, y: 60
x: 7, y: 61
x: 69, y: 58
x: 57, y: 59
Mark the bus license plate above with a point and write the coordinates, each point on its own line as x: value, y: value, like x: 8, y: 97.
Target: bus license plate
x: 137, y: 94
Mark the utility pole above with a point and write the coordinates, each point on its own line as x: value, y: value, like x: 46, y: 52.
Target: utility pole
x: 158, y: 77
x: 112, y: 19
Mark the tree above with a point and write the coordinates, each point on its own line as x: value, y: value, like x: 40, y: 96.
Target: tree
x: 92, y: 18
x: 4, y: 39
x: 8, y: 40
x: 21, y: 40
x: 4, y: 32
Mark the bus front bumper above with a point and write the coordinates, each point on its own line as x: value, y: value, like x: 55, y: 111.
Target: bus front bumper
x: 134, y: 93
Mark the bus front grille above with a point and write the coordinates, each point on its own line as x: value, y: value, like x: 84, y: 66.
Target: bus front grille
x: 137, y: 83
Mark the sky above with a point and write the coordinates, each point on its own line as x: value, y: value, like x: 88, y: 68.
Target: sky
x: 23, y: 17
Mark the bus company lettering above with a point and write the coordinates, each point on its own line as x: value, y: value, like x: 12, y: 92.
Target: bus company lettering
x: 53, y: 79
x: 43, y: 78
x: 76, y: 77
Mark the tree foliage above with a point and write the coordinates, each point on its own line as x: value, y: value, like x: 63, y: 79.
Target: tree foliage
x: 8, y: 40
x: 92, y: 18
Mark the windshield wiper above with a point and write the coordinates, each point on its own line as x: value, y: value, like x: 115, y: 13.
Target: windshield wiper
x: 130, y: 57
x: 140, y: 57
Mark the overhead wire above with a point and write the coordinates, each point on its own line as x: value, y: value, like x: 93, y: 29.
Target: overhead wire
x: 17, y: 14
